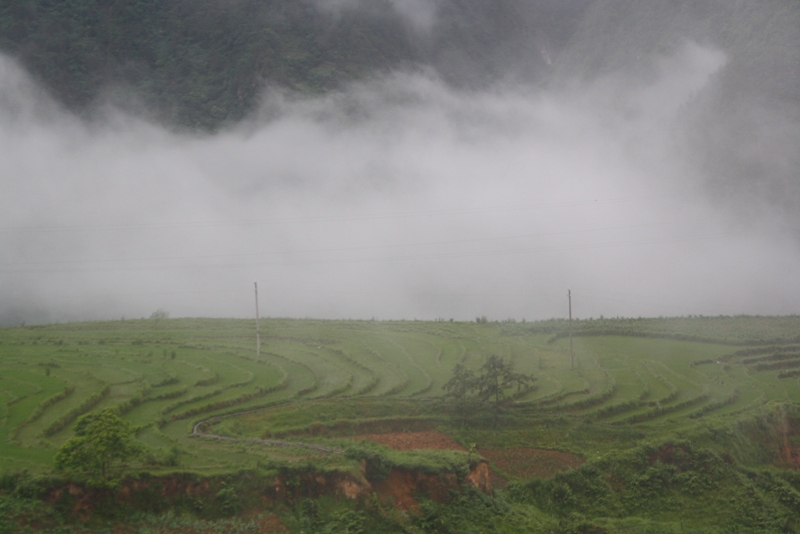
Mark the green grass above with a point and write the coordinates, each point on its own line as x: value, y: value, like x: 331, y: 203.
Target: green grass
x: 172, y: 373
x: 634, y: 383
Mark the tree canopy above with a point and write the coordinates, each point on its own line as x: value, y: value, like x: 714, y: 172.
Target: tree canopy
x: 102, y: 446
x: 492, y: 384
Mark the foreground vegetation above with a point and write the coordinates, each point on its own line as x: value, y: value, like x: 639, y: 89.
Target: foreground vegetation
x: 682, y: 424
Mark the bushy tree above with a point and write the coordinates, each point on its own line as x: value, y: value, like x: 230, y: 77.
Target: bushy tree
x: 496, y: 377
x: 103, y: 444
x: 460, y: 388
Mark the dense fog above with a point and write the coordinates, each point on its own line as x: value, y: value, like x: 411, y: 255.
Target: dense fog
x: 398, y: 197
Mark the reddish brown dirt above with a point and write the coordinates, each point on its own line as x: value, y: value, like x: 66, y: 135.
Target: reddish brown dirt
x: 789, y: 456
x: 522, y: 462
x: 401, y: 487
x: 406, y: 441
x: 525, y: 462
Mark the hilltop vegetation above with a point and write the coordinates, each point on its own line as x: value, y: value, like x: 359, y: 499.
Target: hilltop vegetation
x: 205, y: 64
x: 697, y: 415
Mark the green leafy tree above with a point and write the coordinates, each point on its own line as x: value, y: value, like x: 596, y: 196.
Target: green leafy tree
x: 460, y: 388
x: 496, y: 378
x: 492, y: 384
x: 103, y: 445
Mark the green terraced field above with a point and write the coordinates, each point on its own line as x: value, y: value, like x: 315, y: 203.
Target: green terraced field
x: 321, y: 379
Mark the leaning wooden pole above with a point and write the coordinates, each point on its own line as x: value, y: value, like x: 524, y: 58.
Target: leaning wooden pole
x: 258, y: 331
x: 571, y: 352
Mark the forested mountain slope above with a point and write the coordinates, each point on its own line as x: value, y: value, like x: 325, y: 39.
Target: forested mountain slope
x: 204, y: 64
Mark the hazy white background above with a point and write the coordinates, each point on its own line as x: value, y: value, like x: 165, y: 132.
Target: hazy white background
x: 398, y: 198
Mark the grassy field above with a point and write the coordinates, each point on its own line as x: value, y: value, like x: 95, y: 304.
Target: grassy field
x: 164, y: 375
x: 636, y: 382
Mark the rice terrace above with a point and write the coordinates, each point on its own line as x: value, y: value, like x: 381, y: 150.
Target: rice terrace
x: 661, y: 425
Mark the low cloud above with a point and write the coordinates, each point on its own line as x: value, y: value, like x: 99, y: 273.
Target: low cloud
x: 396, y: 198
x: 419, y: 14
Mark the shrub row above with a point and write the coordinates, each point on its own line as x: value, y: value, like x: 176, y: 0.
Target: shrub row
x: 167, y: 382
x: 398, y: 388
x: 645, y: 387
x: 594, y: 399
x: 369, y: 386
x: 210, y: 381
x: 659, y: 410
x: 673, y: 390
x: 241, y: 399
x: 559, y: 395
x: 776, y: 357
x: 650, y: 335
x: 786, y: 364
x: 190, y: 400
x: 45, y: 404
x: 775, y: 349
x: 134, y: 401
x: 733, y: 397
x: 671, y: 396
x: 168, y: 395
x: 62, y: 422
x: 349, y: 359
x: 341, y: 389
x: 305, y: 391
x: 427, y: 387
x: 614, y: 409
x: 38, y: 389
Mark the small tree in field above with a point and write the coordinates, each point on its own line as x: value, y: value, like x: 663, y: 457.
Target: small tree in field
x: 496, y: 379
x: 102, y: 446
x: 492, y: 384
x: 460, y: 388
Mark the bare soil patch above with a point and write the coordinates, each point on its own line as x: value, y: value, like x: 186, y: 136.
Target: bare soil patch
x: 406, y: 441
x: 521, y: 462
x: 525, y: 462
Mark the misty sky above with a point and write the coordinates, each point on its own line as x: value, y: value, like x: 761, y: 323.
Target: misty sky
x: 397, y: 198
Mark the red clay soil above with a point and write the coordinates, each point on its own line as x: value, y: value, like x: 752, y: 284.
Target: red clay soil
x: 406, y: 441
x: 522, y: 462
x: 401, y: 487
x: 789, y: 430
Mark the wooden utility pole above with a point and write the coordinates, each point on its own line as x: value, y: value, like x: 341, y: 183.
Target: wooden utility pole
x: 571, y: 353
x: 258, y: 332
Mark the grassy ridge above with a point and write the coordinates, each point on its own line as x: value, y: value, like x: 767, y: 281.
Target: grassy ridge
x: 170, y: 372
x: 725, y: 386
